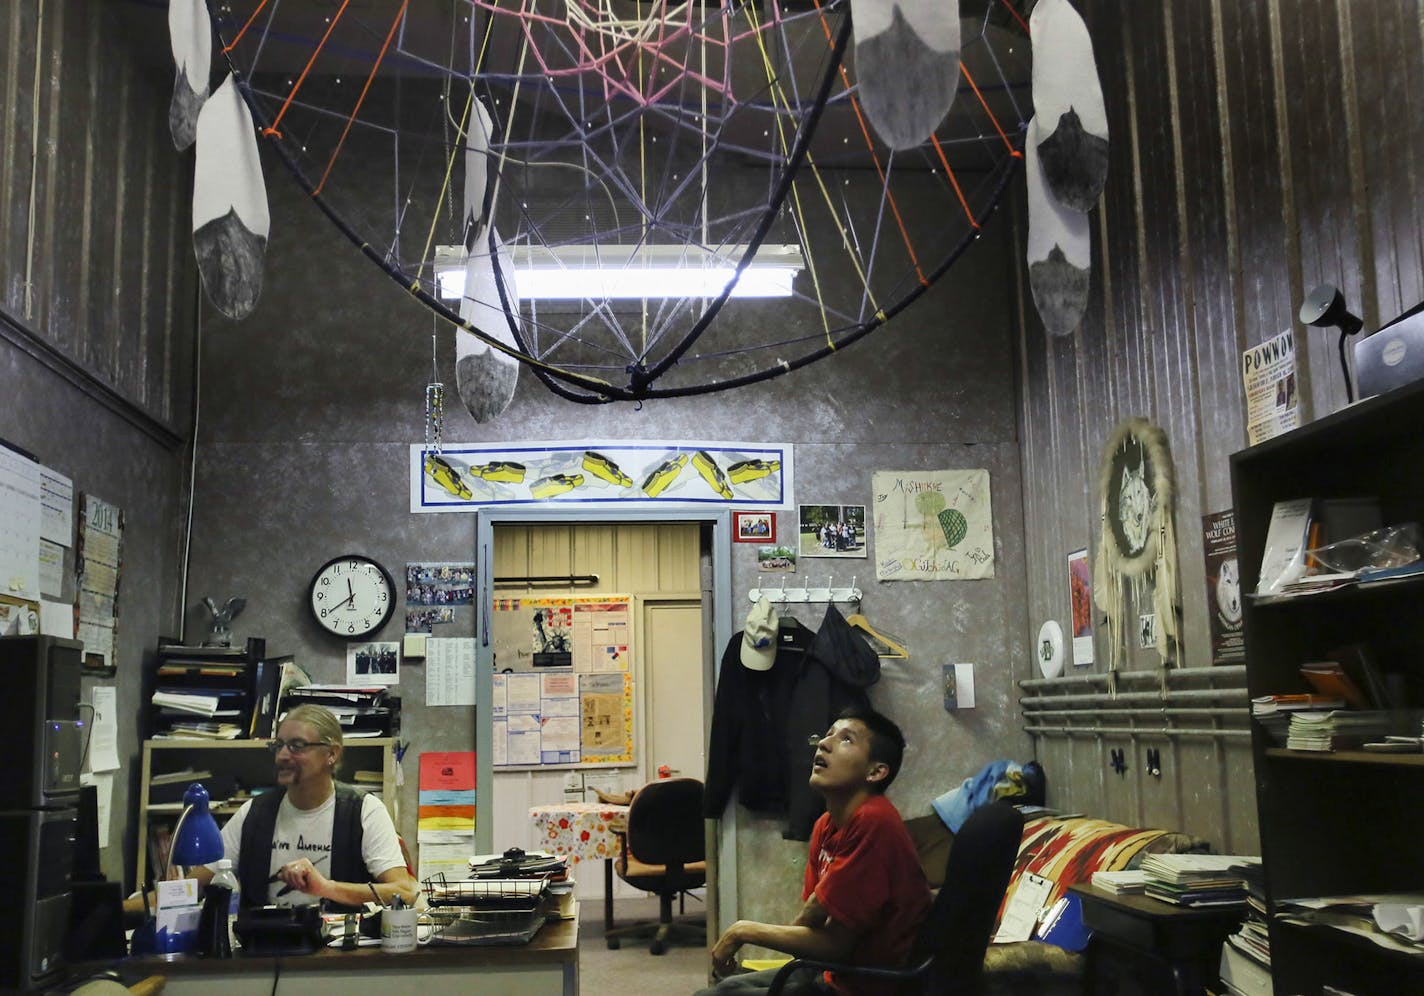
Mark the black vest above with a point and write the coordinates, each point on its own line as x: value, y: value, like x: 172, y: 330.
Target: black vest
x: 254, y: 856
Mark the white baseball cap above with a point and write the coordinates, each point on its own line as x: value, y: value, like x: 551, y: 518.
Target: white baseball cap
x: 759, y: 637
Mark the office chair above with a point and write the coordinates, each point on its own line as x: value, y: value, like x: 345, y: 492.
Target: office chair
x: 948, y: 953
x: 663, y: 852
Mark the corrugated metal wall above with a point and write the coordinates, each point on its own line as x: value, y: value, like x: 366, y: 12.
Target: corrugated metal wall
x: 96, y: 308
x: 1257, y: 149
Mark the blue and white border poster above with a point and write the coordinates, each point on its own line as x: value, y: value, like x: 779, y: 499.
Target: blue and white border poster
x: 465, y: 477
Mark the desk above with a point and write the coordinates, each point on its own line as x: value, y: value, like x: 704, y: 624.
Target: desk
x: 546, y: 966
x: 1182, y: 941
x: 582, y: 830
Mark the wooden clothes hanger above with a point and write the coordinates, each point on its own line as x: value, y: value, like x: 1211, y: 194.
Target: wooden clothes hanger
x: 883, y: 645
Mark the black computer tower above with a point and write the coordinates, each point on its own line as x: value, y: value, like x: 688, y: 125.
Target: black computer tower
x: 39, y: 713
x: 39, y: 845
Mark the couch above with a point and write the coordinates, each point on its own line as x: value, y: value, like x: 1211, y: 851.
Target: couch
x: 1066, y: 851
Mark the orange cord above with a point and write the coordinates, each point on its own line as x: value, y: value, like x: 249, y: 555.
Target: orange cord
x: 870, y: 146
x: 400, y: 14
x: 1017, y: 17
x: 272, y: 130
x: 1015, y: 153
x: 230, y: 47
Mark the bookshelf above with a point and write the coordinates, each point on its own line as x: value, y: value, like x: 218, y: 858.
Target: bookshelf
x: 249, y: 764
x: 1342, y: 822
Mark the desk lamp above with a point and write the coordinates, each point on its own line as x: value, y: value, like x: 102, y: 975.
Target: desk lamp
x: 1324, y: 307
x: 196, y: 838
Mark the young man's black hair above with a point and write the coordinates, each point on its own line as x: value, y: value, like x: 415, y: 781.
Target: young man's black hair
x: 887, y: 743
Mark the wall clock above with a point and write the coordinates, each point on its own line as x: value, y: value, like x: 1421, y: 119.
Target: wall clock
x: 352, y: 596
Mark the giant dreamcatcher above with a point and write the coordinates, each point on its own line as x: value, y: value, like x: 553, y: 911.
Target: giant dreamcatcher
x: 1138, y: 546
x: 451, y: 139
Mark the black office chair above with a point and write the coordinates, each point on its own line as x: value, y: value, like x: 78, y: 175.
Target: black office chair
x: 948, y: 953
x: 663, y: 852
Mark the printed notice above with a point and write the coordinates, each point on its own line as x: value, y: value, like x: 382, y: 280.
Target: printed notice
x: 450, y: 671
x: 1272, y: 401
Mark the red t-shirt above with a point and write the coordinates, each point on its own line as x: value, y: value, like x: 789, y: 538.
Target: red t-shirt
x: 867, y: 876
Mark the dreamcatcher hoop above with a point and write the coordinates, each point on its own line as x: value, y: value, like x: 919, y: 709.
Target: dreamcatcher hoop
x: 606, y: 351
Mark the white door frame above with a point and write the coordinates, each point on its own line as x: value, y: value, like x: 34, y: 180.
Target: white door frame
x: 721, y: 614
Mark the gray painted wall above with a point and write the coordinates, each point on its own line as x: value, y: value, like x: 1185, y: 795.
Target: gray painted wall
x: 95, y: 298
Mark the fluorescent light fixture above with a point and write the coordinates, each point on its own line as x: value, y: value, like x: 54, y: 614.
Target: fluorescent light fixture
x: 621, y: 271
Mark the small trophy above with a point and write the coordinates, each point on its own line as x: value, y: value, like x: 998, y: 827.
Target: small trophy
x: 220, y: 632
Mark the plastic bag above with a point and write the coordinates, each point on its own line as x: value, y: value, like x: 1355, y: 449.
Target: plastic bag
x: 1392, y: 546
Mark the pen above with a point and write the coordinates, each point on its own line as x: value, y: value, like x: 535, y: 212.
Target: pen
x: 286, y: 889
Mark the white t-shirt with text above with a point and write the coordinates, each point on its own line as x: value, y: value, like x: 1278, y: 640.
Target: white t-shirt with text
x: 307, y: 834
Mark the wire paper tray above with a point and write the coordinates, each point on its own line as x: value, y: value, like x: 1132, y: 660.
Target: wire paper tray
x: 486, y: 894
x: 471, y: 925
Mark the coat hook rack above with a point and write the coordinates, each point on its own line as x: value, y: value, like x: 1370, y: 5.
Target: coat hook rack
x: 828, y: 592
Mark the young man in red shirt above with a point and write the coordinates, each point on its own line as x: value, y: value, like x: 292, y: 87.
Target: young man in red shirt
x: 865, y: 892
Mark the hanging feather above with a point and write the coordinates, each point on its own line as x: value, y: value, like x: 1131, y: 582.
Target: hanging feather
x: 907, y: 65
x: 1059, y: 251
x: 1068, y: 106
x: 191, y: 35
x: 477, y: 189
x: 484, y: 376
x: 230, y: 217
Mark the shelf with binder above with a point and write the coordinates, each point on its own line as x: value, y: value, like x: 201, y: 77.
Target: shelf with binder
x: 1344, y: 821
x: 214, y: 691
x: 238, y: 768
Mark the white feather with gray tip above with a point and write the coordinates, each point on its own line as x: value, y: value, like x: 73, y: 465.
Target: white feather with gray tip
x: 230, y: 216
x: 190, y: 34
x: 1060, y: 251
x: 1068, y: 105
x: 484, y: 376
x: 477, y: 144
x: 907, y: 65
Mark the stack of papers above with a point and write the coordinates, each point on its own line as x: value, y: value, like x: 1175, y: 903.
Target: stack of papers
x: 1197, y: 879
x: 197, y: 705
x: 1338, y: 728
x: 1269, y: 705
x: 1120, y: 883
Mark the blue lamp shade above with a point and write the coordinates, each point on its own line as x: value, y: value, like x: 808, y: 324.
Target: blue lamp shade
x: 197, y: 840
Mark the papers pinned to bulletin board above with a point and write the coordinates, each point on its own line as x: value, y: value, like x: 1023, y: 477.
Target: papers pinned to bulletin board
x: 562, y: 720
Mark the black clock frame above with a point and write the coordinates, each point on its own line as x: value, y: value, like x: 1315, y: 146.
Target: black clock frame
x: 385, y: 616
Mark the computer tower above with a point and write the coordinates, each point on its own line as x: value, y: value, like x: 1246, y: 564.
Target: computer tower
x: 40, y: 714
x: 36, y: 876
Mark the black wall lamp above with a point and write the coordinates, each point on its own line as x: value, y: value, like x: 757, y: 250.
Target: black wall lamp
x: 1324, y: 307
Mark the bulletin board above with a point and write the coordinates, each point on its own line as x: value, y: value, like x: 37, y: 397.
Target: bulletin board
x: 563, y: 682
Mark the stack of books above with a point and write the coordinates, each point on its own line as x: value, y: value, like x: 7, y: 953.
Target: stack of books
x: 1336, y: 729
x: 1120, y: 883
x: 1197, y: 879
x: 1246, y: 955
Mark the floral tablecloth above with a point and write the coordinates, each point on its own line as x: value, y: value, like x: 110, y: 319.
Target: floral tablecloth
x: 579, y: 830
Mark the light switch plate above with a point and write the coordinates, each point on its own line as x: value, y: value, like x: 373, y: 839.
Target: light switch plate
x: 958, y: 681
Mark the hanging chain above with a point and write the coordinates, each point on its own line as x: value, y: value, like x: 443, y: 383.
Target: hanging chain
x: 434, y: 402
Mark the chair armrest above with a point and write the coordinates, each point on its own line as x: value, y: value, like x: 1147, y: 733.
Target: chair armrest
x: 865, y: 971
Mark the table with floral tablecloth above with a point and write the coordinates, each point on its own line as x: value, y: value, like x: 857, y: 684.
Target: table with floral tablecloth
x: 579, y: 831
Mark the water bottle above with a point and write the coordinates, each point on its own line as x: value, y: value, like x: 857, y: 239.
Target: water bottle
x: 220, y: 901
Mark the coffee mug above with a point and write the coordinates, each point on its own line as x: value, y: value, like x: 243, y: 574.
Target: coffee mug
x: 398, y: 929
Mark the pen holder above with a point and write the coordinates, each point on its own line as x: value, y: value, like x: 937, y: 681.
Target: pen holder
x: 398, y: 929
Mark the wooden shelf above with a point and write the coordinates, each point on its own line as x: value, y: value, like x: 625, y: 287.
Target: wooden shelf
x: 1348, y: 757
x: 1344, y: 822
x: 250, y: 761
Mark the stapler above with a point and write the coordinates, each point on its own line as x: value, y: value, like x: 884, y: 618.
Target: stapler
x: 280, y: 930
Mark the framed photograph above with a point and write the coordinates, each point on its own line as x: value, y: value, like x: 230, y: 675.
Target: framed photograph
x: 373, y: 663
x: 831, y: 531
x: 753, y: 527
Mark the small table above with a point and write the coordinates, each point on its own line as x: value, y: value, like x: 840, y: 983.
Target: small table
x: 1184, y: 940
x: 583, y: 830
